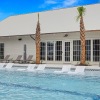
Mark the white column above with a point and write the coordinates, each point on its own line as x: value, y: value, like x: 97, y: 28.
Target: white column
x: 63, y: 51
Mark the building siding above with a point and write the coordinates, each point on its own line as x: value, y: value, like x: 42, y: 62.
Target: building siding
x: 14, y: 47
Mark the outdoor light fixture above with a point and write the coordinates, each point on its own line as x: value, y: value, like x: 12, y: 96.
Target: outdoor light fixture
x: 19, y: 39
x: 65, y: 35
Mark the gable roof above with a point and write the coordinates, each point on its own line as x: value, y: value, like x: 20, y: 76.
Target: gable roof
x: 62, y: 20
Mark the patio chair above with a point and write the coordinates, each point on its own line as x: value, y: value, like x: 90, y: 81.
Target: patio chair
x: 79, y: 70
x: 18, y: 59
x: 65, y: 69
x: 28, y: 59
x: 2, y: 65
x: 9, y: 65
x: 41, y: 67
x: 31, y: 67
x: 6, y: 59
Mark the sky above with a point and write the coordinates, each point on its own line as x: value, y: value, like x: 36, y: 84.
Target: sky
x: 16, y: 7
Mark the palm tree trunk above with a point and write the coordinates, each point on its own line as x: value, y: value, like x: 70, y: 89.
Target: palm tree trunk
x: 38, y: 43
x: 82, y: 38
x: 37, y: 53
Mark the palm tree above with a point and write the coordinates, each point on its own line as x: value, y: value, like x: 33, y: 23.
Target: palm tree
x: 37, y: 39
x: 81, y: 11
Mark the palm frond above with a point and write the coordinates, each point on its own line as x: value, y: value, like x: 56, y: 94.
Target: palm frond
x: 77, y: 18
x: 81, y: 12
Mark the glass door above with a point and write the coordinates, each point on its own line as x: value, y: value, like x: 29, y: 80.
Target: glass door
x: 25, y: 53
x: 1, y: 50
x: 58, y: 51
x: 67, y: 51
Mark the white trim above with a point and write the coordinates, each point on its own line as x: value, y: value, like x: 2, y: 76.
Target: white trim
x: 63, y: 51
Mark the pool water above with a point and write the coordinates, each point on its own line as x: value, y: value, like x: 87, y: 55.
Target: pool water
x: 47, y: 86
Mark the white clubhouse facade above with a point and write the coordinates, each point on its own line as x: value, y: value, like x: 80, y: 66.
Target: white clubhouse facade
x: 60, y: 36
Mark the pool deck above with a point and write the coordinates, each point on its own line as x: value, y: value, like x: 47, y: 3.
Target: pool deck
x: 58, y: 66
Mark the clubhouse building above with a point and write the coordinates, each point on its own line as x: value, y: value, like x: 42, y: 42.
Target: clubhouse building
x: 60, y: 35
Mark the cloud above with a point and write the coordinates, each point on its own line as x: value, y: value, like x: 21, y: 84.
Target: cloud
x: 47, y: 3
x: 66, y: 3
x: 69, y: 2
x: 50, y: 2
x: 59, y: 3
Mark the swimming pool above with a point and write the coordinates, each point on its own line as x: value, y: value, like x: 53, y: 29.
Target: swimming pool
x: 47, y: 86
